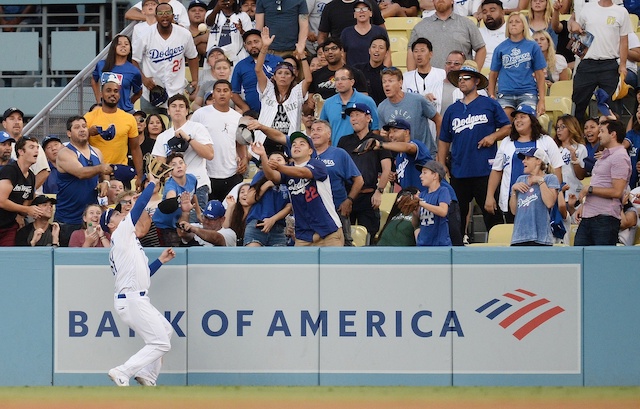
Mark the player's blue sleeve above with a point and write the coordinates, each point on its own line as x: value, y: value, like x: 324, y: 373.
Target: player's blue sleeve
x: 142, y: 202
x: 155, y: 266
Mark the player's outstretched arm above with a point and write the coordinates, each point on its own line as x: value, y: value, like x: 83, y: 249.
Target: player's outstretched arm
x: 166, y: 256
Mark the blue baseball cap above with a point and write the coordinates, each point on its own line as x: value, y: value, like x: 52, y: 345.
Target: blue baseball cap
x: 4, y: 137
x: 123, y: 173
x: 525, y: 109
x: 214, y: 210
x: 534, y: 153
x: 105, y: 218
x: 397, y: 123
x: 358, y: 106
x: 602, y: 99
x: 197, y: 3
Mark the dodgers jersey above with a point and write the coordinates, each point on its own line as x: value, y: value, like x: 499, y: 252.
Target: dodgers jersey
x: 164, y: 60
x: 312, y: 202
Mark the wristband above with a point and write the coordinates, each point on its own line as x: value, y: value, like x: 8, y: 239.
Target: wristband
x: 350, y: 198
x: 380, y: 189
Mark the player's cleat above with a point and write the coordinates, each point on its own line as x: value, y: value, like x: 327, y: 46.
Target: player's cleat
x: 144, y: 381
x: 118, y: 377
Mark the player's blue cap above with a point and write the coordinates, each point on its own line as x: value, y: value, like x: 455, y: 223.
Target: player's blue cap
x: 214, y: 210
x: 123, y: 173
x: 525, y: 109
x: 358, y: 106
x: 397, y: 123
x: 535, y: 153
x: 105, y: 218
x: 6, y: 137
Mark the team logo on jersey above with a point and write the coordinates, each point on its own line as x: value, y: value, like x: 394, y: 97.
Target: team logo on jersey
x: 460, y: 124
x: 516, y: 58
x: 157, y: 56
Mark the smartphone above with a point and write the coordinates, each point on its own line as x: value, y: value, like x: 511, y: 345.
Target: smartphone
x: 190, y: 88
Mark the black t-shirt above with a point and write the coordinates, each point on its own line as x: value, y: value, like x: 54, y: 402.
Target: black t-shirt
x: 23, y: 189
x: 324, y: 83
x: 25, y: 234
x: 563, y: 40
x: 374, y: 81
x: 369, y: 163
x: 337, y: 15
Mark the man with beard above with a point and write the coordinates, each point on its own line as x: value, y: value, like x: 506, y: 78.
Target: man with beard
x: 324, y: 79
x: 114, y: 131
x: 160, y: 56
x: 230, y: 159
x: 493, y: 32
x: 6, y: 141
x: 81, y: 169
x: 449, y: 31
x: 244, y: 77
x: 13, y: 124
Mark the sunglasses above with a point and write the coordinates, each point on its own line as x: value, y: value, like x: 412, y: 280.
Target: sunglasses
x: 164, y: 13
x: 390, y: 69
x: 465, y: 77
x: 126, y: 202
x: 141, y: 120
x: 361, y: 9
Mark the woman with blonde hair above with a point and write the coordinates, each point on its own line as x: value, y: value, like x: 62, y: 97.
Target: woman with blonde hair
x: 557, y: 68
x: 570, y: 141
x: 517, y: 68
x: 540, y: 14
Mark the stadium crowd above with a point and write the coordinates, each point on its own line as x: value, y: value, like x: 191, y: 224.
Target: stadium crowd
x: 284, y: 122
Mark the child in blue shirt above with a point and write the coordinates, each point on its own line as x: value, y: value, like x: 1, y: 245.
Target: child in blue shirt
x: 434, y: 206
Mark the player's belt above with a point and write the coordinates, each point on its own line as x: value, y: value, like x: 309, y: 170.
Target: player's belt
x: 141, y: 293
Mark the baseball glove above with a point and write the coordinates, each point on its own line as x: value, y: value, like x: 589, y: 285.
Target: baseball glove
x: 366, y: 146
x: 408, y: 204
x: 157, y: 167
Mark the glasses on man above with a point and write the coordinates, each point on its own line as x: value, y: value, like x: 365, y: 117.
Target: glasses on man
x: 343, y: 79
x: 465, y: 78
x: 164, y: 13
x: 140, y: 120
x: 332, y: 48
x: 361, y: 9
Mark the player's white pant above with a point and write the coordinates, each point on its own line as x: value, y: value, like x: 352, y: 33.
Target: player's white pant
x: 138, y: 313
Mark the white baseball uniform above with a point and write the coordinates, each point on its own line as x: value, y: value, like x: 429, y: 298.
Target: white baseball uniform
x: 164, y: 60
x: 129, y: 265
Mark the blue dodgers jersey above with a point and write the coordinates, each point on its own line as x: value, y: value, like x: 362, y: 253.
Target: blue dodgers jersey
x: 341, y: 170
x: 434, y: 230
x: 406, y: 171
x: 463, y: 126
x: 168, y: 221
x: 515, y: 63
x: 312, y: 202
x: 271, y: 202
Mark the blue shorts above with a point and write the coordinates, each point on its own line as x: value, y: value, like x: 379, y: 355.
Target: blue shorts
x: 275, y: 237
x: 512, y: 101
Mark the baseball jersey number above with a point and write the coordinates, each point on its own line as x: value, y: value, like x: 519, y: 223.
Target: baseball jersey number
x: 310, y: 194
x: 177, y: 64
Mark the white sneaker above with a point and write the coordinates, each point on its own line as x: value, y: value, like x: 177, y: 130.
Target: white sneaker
x: 119, y: 378
x: 465, y: 240
x: 144, y: 381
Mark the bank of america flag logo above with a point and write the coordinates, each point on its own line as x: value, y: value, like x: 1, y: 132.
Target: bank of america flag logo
x: 512, y: 307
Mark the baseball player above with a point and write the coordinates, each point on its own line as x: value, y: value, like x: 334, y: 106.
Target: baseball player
x: 131, y: 301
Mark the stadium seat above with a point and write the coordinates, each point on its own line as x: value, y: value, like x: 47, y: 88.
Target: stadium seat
x: 485, y: 71
x: 562, y: 89
x: 545, y: 122
x: 557, y: 106
x: 500, y: 234
x: 399, y: 41
x: 634, y: 22
x: 399, y: 60
x: 359, y: 235
x: 388, y: 199
x: 565, y: 17
x: 401, y: 23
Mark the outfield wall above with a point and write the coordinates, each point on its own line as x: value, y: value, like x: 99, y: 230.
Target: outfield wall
x: 346, y: 316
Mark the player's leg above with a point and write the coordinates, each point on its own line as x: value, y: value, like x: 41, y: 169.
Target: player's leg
x: 148, y: 375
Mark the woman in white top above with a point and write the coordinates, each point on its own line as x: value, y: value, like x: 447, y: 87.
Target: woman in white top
x: 571, y: 144
x: 280, y: 96
x: 557, y: 68
x: 526, y: 133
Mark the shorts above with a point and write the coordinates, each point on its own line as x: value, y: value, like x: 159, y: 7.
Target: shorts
x: 512, y: 101
x: 275, y: 237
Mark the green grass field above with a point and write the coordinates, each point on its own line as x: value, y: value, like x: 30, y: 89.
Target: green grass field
x: 320, y: 397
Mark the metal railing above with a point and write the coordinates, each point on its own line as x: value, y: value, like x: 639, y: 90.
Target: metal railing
x: 75, y: 99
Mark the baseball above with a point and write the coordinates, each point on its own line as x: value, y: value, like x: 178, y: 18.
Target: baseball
x: 202, y: 27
